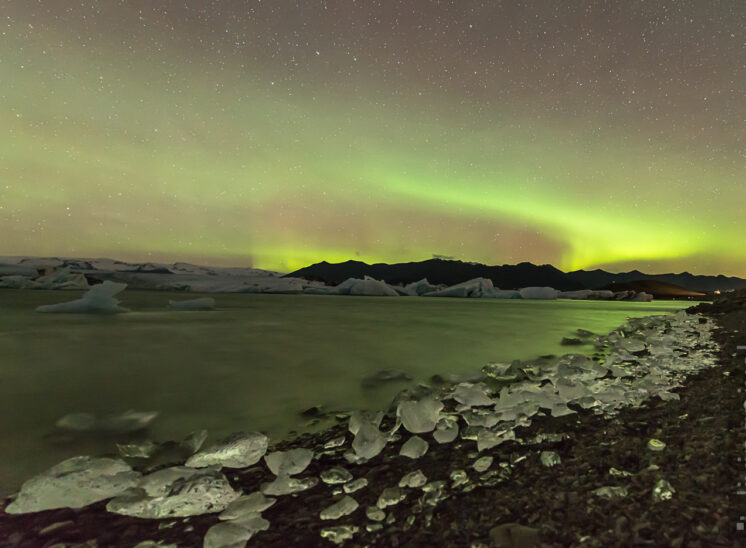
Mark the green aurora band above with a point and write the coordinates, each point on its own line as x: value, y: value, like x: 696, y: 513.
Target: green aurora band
x: 106, y: 152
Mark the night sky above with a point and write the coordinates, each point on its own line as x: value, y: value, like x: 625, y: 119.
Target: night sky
x: 277, y: 133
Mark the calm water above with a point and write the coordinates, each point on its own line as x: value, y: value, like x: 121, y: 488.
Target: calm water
x: 253, y: 364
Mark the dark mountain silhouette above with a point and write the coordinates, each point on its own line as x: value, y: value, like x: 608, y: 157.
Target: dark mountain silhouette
x: 440, y: 271
x: 594, y: 279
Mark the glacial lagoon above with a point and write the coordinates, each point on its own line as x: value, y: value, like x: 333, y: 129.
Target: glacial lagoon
x: 253, y: 363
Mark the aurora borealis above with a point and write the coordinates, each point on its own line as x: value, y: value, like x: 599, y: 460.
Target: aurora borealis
x: 277, y: 133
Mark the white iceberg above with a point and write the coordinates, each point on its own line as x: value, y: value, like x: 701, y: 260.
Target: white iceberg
x: 61, y: 278
x: 478, y: 287
x: 497, y: 293
x: 129, y: 421
x: 16, y: 282
x: 205, y: 303
x: 367, y: 287
x: 539, y: 293
x: 98, y: 300
x: 420, y: 287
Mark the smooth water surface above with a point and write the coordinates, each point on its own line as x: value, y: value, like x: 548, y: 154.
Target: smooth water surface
x: 253, y: 363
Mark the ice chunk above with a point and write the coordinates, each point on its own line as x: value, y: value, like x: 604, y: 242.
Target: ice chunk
x: 194, y: 440
x: 419, y: 416
x: 288, y: 463
x: 413, y: 479
x: 336, y: 475
x: 360, y: 417
x: 74, y: 483
x: 161, y: 483
x: 142, y: 450
x: 550, y: 458
x: 414, y: 448
x: 459, y: 478
x: 99, y: 299
x: 237, y: 451
x: 197, y: 492
x: 390, y: 497
x: 663, y: 491
x: 487, y: 439
x: 471, y: 395
x: 656, y: 445
x: 339, y: 534
x: 344, y: 507
x: 369, y: 441
x: 610, y: 492
x: 129, y: 421
x: 205, y: 303
x: 245, y: 505
x: 420, y: 288
x: 336, y: 442
x: 482, y: 464
x: 285, y: 485
x: 253, y: 522
x: 374, y: 513
x: 446, y: 431
x: 542, y: 293
x: 355, y: 485
x: 226, y: 535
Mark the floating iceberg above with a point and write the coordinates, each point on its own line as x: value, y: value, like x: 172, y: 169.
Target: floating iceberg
x: 503, y: 294
x: 421, y: 287
x: 129, y: 421
x: 368, y: 287
x: 98, y: 300
x: 478, y: 287
x: 61, y: 278
x: 74, y: 483
x: 205, y: 303
x: 539, y: 293
x: 16, y: 282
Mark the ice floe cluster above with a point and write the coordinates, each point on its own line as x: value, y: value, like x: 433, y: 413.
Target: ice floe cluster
x: 477, y: 288
x: 81, y: 273
x: 646, y: 357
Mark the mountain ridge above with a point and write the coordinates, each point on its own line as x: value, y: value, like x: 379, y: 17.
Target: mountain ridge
x: 506, y: 276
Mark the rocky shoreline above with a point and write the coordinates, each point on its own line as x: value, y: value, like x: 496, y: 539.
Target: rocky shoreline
x: 610, y: 485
